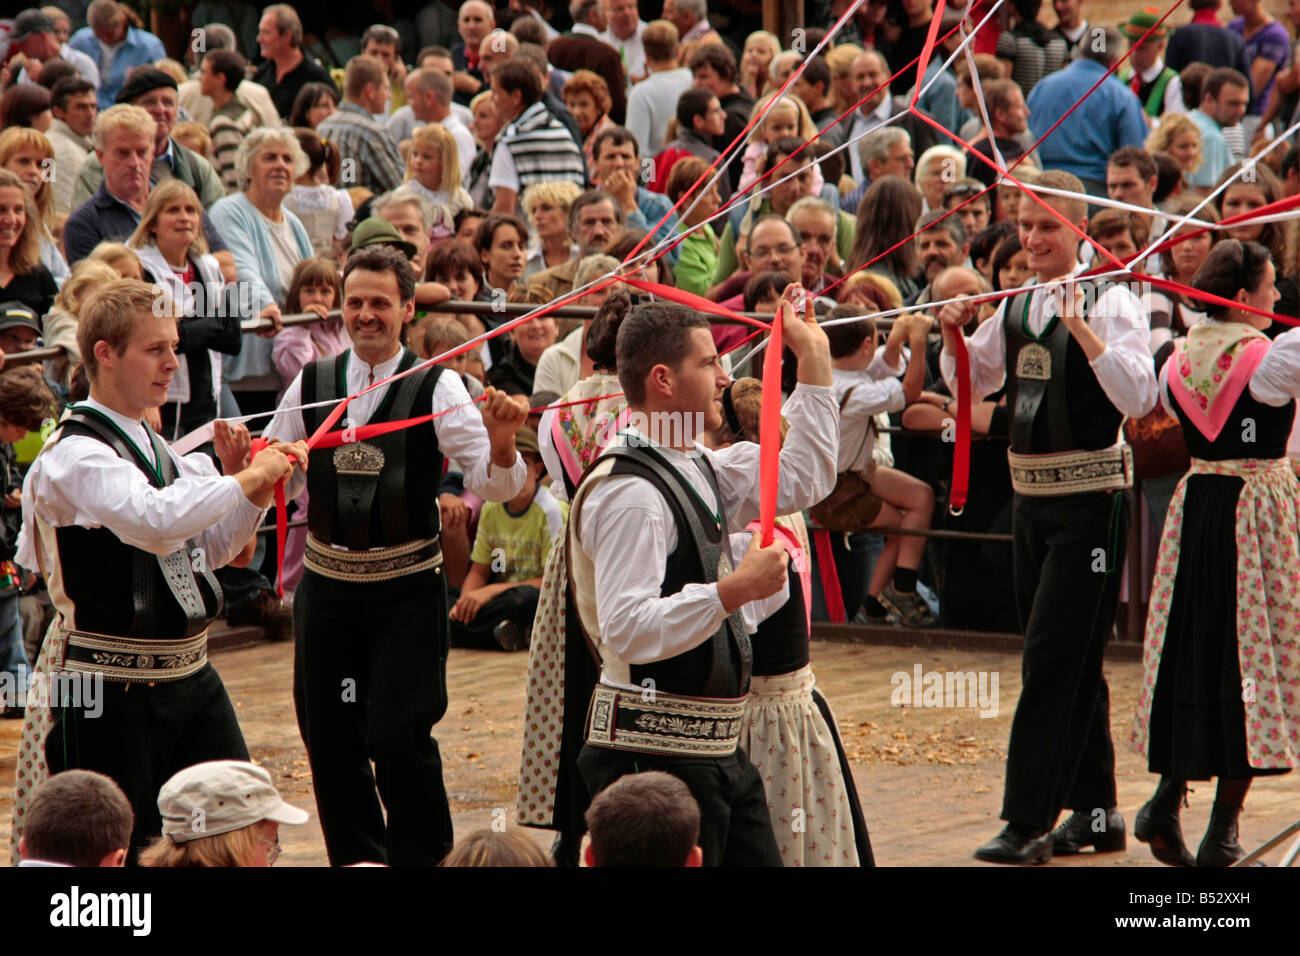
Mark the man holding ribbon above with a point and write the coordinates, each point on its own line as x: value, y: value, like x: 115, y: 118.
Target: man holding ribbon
x: 370, y: 616
x: 1076, y: 362
x: 127, y: 534
x: 651, y: 559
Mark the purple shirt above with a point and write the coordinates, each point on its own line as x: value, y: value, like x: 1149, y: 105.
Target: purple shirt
x: 1271, y: 43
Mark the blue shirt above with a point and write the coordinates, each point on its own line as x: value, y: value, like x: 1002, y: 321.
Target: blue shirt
x: 1215, y: 154
x: 652, y: 208
x: 140, y: 48
x: 1108, y: 119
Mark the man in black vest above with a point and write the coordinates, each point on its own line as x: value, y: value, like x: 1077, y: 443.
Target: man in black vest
x: 370, y: 616
x: 127, y: 535
x: 1076, y: 363
x: 651, y: 559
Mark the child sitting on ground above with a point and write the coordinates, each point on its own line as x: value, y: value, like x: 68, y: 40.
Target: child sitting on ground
x: 498, y: 600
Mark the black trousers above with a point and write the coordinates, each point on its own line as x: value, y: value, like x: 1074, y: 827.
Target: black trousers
x: 514, y: 604
x: 1061, y: 753
x: 369, y: 683
x: 735, y: 826
x: 144, y: 735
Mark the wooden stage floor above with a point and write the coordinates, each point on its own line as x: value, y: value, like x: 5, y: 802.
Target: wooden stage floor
x: 930, y: 778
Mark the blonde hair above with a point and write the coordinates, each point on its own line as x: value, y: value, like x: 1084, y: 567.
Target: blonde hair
x: 840, y: 60
x: 747, y: 400
x: 881, y: 282
x: 113, y: 252
x: 135, y: 119
x: 167, y: 192
x: 172, y: 68
x: 436, y: 136
x: 88, y: 276
x: 193, y: 137
x: 1172, y: 126
x: 807, y: 128
x: 235, y: 848
x: 110, y: 315
x: 20, y: 139
x: 940, y: 152
x: 26, y: 252
x: 557, y: 192
x: 487, y: 848
x: 362, y: 71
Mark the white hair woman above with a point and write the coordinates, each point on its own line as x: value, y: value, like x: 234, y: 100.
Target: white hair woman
x: 547, y: 207
x: 268, y: 241
x: 174, y: 254
x: 937, y: 169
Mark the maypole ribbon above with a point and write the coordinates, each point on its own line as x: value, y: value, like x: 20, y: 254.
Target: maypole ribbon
x: 769, y: 431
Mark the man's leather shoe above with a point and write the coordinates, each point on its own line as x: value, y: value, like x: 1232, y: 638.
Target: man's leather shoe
x: 1077, y: 832
x: 1017, y: 844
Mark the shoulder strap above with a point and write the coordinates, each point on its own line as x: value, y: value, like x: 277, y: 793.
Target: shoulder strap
x: 102, y: 428
x: 401, y: 402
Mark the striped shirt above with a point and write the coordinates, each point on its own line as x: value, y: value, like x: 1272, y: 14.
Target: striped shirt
x: 369, y: 157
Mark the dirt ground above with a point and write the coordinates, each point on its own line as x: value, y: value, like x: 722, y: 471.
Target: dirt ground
x: 930, y: 777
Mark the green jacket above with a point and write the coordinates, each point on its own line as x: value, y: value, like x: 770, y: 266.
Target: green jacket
x: 187, y: 166
x: 698, y: 262
x: 729, y: 262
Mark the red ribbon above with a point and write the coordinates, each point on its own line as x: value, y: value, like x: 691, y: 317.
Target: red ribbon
x: 769, y: 434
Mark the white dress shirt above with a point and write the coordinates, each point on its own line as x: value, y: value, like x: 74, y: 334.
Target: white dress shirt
x: 628, y: 531
x: 80, y: 481
x: 861, y: 126
x: 1124, y: 369
x: 876, y: 389
x: 632, y: 50
x: 461, y: 434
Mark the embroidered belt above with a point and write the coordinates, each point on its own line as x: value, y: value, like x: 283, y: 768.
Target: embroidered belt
x: 378, y: 564
x: 659, y: 723
x: 132, y: 659
x: 1071, y: 472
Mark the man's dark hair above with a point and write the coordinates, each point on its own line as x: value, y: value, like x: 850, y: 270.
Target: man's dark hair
x: 529, y: 30
x: 1204, y: 4
x: 987, y: 239
x: 774, y: 217
x: 1168, y: 177
x: 847, y: 337
x: 785, y: 146
x: 1221, y: 77
x: 1135, y: 157
x: 1289, y: 162
x: 227, y: 64
x: 439, y: 51
x: 25, y: 399
x: 656, y: 333
x: 1192, y: 77
x: 617, y: 135
x: 590, y: 198
x: 519, y: 75
x: 764, y: 285
x: 1027, y: 10
x: 694, y: 102
x: 719, y: 57
x: 943, y: 219
x: 643, y: 819
x: 378, y: 258
x: 67, y: 88
x: 816, y: 71
x: 77, y: 817
x: 56, y: 69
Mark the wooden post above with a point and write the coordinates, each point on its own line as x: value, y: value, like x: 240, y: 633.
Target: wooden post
x: 782, y: 18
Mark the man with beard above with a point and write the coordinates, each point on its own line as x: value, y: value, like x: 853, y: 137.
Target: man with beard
x: 940, y: 243
x: 594, y: 219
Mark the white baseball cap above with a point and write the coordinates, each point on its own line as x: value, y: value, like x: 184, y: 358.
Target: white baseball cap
x: 221, y: 796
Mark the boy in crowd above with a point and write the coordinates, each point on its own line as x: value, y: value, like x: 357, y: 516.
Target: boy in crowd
x: 77, y: 818
x: 498, y: 599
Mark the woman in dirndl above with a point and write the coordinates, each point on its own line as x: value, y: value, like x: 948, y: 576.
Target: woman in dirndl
x: 1220, y: 695
x: 789, y: 731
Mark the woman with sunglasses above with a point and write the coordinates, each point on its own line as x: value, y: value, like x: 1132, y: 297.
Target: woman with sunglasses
x: 1219, y: 692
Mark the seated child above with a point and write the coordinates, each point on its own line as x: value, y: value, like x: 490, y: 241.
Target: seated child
x: 498, y: 599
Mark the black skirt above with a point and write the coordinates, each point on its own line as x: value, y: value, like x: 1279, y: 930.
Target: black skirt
x: 1198, y: 720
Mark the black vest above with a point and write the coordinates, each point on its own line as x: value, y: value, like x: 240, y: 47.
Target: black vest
x: 781, y: 640
x: 383, y: 491
x: 719, y: 667
x: 123, y: 591
x: 1267, y: 426
x: 1061, y: 410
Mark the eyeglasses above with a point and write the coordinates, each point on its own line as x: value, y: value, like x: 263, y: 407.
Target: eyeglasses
x: 273, y: 853
x: 764, y: 253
